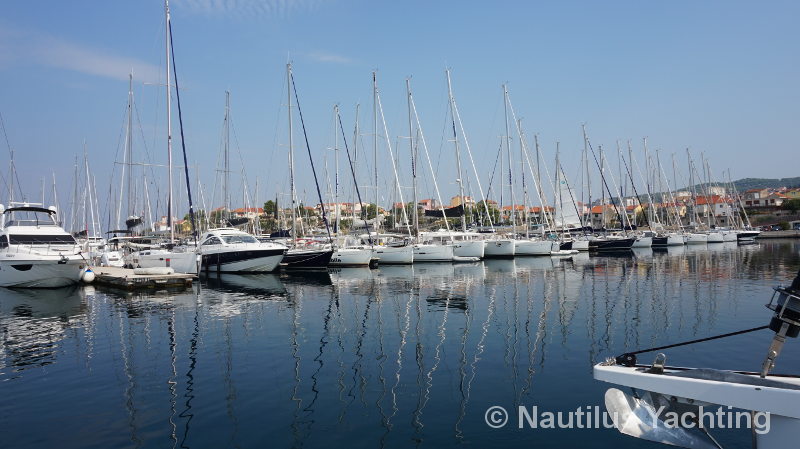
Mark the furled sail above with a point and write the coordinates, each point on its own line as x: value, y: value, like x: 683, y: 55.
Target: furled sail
x: 450, y: 212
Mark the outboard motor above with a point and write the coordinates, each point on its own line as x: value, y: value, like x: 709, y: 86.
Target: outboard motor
x: 785, y: 322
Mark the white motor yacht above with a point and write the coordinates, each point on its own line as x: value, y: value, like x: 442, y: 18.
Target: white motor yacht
x: 229, y: 250
x: 35, y: 251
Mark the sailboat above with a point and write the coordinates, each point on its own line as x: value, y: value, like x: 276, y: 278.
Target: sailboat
x: 312, y: 256
x: 426, y: 247
x: 180, y: 258
x: 389, y: 248
x: 346, y: 252
x: 525, y: 245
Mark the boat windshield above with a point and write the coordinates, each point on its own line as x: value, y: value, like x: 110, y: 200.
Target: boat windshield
x: 40, y: 239
x: 30, y: 218
x: 244, y: 238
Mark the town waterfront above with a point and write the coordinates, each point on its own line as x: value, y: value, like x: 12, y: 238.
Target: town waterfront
x: 390, y: 357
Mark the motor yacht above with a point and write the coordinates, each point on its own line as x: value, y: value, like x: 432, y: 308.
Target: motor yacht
x: 35, y: 251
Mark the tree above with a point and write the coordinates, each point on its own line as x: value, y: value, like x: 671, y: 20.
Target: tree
x: 792, y: 205
x: 269, y: 207
x: 370, y: 210
x: 494, y: 213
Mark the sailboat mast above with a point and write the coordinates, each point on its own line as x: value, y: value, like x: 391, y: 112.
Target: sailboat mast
x: 508, y: 149
x: 336, y: 165
x: 413, y: 157
x: 227, y: 168
x: 291, y: 152
x: 375, y: 147
x: 169, y: 127
x: 522, y: 178
x: 129, y: 149
x: 460, y: 178
x: 355, y: 180
x: 588, y: 178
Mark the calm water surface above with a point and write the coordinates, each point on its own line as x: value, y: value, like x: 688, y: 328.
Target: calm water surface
x: 393, y: 357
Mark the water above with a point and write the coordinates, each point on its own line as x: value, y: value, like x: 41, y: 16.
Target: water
x: 394, y: 357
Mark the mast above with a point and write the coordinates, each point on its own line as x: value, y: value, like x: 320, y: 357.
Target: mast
x: 129, y: 147
x: 588, y: 178
x: 336, y: 165
x: 226, y: 156
x: 522, y: 178
x: 169, y: 127
x: 291, y: 153
x: 460, y: 178
x: 375, y: 149
x: 413, y: 159
x: 508, y: 149
x: 603, y: 191
x: 355, y: 180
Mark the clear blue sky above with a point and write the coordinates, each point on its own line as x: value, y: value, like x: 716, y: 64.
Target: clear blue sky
x: 717, y: 76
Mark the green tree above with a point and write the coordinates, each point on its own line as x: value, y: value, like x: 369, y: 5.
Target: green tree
x: 370, y: 210
x: 269, y: 207
x: 791, y: 205
x: 494, y: 213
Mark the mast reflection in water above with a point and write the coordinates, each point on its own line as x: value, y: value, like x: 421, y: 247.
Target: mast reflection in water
x: 394, y: 357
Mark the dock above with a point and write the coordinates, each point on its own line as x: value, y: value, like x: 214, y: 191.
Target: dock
x: 126, y: 279
x: 788, y: 234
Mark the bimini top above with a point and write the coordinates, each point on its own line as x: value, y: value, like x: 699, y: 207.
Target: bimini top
x: 29, y: 209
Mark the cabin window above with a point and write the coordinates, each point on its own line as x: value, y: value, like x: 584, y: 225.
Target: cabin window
x: 3, y: 241
x: 230, y: 239
x: 58, y: 239
x: 212, y: 241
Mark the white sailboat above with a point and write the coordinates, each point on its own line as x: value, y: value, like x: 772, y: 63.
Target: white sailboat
x: 180, y: 258
x: 346, y: 253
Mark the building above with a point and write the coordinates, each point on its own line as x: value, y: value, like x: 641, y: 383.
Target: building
x: 248, y: 212
x: 456, y: 201
x: 428, y: 204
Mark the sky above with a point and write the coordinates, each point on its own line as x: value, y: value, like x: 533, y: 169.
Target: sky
x: 718, y: 77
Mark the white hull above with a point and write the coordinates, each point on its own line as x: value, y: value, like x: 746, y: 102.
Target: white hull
x: 42, y: 271
x: 729, y: 236
x: 351, y: 257
x: 715, y: 237
x: 675, y: 240
x: 394, y: 255
x: 580, y: 245
x: 433, y: 253
x: 472, y: 248
x: 642, y: 242
x: 181, y: 262
x: 696, y: 239
x: 499, y: 248
x: 534, y: 247
x: 112, y: 259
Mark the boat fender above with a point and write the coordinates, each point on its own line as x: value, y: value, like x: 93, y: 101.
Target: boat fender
x: 88, y: 276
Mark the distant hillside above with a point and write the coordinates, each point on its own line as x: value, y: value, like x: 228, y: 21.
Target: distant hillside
x: 744, y: 184
x: 754, y: 183
x: 765, y: 183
